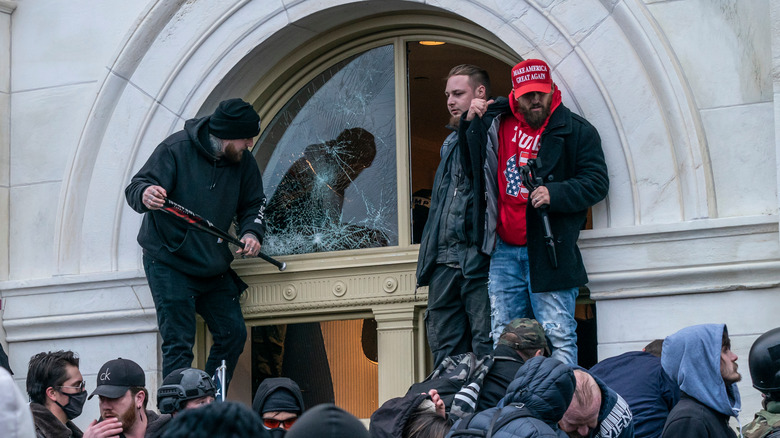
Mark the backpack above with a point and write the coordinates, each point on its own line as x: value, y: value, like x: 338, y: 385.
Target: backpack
x: 458, y: 380
x: 500, y: 419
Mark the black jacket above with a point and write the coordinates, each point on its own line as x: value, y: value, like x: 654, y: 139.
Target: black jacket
x: 506, y: 362
x: 574, y: 171
x: 452, y: 203
x: 691, y: 419
x: 185, y: 166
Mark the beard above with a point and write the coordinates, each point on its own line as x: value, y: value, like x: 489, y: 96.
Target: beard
x: 128, y: 419
x: 233, y: 152
x: 536, y: 119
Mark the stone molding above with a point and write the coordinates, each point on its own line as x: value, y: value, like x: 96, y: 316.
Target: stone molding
x: 7, y: 6
x: 81, y: 325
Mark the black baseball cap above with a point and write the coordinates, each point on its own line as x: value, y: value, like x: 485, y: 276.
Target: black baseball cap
x: 117, y: 376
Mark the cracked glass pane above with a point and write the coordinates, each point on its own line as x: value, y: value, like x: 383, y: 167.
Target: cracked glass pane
x: 328, y: 161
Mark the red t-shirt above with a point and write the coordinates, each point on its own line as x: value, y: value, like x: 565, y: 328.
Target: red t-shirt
x: 518, y: 143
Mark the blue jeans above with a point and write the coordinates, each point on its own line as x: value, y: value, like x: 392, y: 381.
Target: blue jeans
x: 511, y: 297
x: 177, y: 297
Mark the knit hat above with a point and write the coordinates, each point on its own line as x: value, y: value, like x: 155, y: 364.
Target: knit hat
x: 531, y: 75
x: 524, y: 334
x: 327, y: 421
x: 117, y: 376
x: 234, y: 119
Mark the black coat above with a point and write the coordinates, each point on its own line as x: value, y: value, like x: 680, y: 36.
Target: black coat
x: 691, y: 419
x: 185, y: 166
x: 574, y: 171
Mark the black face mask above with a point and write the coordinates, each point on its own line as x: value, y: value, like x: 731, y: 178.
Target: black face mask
x: 276, y: 433
x: 75, y: 404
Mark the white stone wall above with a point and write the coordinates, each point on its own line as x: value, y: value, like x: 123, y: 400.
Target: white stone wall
x: 683, y: 93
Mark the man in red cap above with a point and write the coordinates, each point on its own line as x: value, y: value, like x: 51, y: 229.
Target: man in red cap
x: 533, y: 276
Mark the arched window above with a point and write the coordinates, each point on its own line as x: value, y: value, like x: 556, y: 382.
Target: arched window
x: 357, y: 141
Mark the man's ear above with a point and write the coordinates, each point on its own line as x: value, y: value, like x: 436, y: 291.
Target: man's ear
x: 480, y: 92
x: 51, y: 393
x: 539, y: 352
x: 139, y: 399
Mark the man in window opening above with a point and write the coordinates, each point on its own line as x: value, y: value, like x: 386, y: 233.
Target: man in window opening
x: 531, y: 275
x: 449, y: 263
x: 207, y: 168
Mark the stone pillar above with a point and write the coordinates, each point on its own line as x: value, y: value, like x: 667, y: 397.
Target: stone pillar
x: 397, y: 345
x: 6, y: 8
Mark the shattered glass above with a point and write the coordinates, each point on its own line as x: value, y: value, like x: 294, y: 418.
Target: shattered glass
x: 328, y: 161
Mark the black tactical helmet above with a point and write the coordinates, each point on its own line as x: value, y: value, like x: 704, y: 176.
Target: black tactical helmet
x: 182, y: 385
x: 764, y: 362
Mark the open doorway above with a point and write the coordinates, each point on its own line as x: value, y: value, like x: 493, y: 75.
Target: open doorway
x: 428, y: 66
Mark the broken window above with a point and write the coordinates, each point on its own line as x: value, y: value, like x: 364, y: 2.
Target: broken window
x: 328, y: 161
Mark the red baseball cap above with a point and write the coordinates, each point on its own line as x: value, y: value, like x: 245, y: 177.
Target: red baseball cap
x: 531, y: 75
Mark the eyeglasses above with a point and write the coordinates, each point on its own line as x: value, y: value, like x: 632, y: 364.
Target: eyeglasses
x: 82, y: 386
x: 273, y: 423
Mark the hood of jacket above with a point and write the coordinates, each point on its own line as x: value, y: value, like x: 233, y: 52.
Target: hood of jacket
x: 198, y: 132
x: 545, y: 386
x: 271, y: 385
x: 390, y: 419
x: 691, y: 357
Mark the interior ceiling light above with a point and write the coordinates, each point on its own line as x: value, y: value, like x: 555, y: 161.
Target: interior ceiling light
x: 431, y: 43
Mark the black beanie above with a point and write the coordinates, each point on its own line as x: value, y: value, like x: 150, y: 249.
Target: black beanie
x: 234, y: 119
x: 327, y: 421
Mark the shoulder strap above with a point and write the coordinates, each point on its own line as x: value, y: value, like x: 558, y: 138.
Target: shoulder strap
x: 463, y: 428
x: 519, y: 410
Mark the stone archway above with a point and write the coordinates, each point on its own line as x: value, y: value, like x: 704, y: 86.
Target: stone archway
x: 608, y: 59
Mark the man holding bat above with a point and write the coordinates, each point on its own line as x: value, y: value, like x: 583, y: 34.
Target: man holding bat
x: 206, y: 167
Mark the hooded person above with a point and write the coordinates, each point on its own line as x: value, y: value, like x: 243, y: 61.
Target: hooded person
x: 327, y: 421
x: 207, y: 168
x: 279, y: 402
x: 700, y: 360
x: 534, y: 403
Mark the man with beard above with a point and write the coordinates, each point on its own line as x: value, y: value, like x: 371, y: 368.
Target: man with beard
x: 123, y: 398
x: 457, y: 318
x: 526, y: 280
x: 57, y: 395
x: 700, y: 360
x: 207, y: 168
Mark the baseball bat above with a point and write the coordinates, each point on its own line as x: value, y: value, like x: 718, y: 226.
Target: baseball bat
x: 186, y: 215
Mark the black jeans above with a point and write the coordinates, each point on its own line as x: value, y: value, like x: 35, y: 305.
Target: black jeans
x: 177, y: 297
x: 458, y: 315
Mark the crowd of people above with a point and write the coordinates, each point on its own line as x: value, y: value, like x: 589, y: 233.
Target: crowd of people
x: 498, y: 254
x: 681, y: 386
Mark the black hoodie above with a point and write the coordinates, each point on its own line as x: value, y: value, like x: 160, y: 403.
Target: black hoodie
x: 214, y: 188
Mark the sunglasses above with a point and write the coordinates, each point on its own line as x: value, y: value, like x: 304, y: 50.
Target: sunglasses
x: 273, y: 423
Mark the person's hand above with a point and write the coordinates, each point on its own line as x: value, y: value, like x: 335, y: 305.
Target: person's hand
x: 110, y: 427
x: 478, y: 108
x: 438, y: 402
x: 154, y: 197
x: 251, y: 245
x: 540, y: 197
